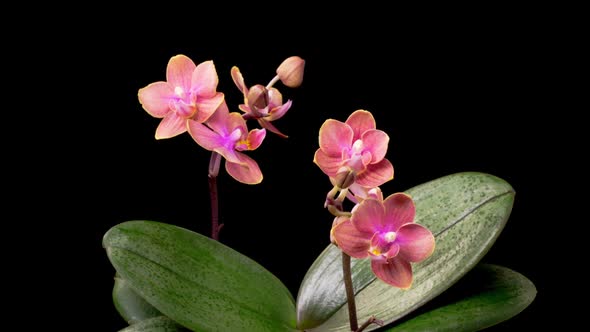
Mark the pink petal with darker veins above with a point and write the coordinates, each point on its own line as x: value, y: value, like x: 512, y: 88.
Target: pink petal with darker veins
x: 329, y: 165
x: 238, y: 79
x: 350, y: 240
x: 155, y: 98
x: 218, y: 120
x: 205, y: 137
x: 415, y: 241
x: 335, y: 136
x: 399, y: 210
x: 179, y: 72
x: 376, y: 142
x: 278, y: 112
x: 270, y: 127
x: 376, y: 174
x: 204, y: 79
x: 207, y: 106
x: 361, y: 121
x: 170, y: 126
x: 255, y: 138
x: 396, y: 272
x: 368, y: 216
x: 248, y: 172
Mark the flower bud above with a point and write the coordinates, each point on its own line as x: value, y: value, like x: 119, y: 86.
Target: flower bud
x: 344, y: 178
x: 291, y: 71
x: 257, y: 97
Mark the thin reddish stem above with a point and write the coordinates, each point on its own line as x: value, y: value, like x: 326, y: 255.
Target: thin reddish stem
x: 214, y: 164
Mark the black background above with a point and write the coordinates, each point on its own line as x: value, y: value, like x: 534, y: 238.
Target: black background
x: 461, y: 94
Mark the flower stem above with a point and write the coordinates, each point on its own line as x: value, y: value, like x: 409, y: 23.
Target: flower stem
x: 272, y: 82
x: 214, y: 164
x: 347, y: 274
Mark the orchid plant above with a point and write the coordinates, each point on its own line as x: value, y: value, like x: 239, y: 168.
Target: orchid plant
x: 387, y: 256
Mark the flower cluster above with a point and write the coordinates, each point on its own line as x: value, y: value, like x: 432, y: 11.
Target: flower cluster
x: 352, y: 154
x: 189, y: 101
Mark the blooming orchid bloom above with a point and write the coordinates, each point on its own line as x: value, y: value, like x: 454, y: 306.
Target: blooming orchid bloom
x: 356, y: 149
x: 385, y: 231
x: 227, y: 134
x: 265, y: 104
x: 188, y: 93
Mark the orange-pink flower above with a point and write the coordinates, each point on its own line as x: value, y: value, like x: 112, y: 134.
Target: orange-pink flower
x: 384, y: 230
x: 227, y: 134
x: 354, y: 150
x: 190, y: 92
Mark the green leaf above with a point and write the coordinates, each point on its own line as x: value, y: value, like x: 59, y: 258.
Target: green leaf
x: 197, y: 282
x: 488, y: 295
x: 132, y: 307
x: 155, y: 324
x: 465, y: 211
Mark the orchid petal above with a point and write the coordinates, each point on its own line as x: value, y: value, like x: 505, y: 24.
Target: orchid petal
x: 255, y: 138
x: 278, y: 112
x: 335, y: 136
x: 275, y: 98
x: 230, y: 155
x: 349, y: 239
x: 267, y: 125
x: 207, y: 106
x: 235, y: 121
x: 246, y: 109
x: 246, y: 172
x: 361, y: 121
x: 205, y: 137
x: 376, y: 142
x: 416, y: 242
x: 154, y: 98
x: 170, y: 126
x: 366, y: 158
x: 376, y: 174
x: 396, y: 272
x: 399, y: 210
x: 368, y: 216
x: 329, y: 165
x: 204, y: 79
x: 218, y: 120
x: 393, y: 251
x: 239, y: 80
x: 180, y: 71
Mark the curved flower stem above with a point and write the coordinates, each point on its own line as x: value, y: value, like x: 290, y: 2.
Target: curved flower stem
x: 272, y: 82
x: 347, y: 274
x: 214, y: 164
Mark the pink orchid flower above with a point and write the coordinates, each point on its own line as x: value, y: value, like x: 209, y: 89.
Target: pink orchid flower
x: 385, y: 231
x: 188, y: 93
x: 354, y: 147
x: 265, y: 104
x: 227, y: 134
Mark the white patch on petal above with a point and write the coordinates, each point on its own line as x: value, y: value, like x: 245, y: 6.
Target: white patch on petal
x: 390, y: 237
x: 357, y: 146
x: 235, y: 135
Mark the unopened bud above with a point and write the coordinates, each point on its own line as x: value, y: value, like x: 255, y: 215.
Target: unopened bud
x: 257, y: 97
x: 291, y: 71
x: 345, y: 177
